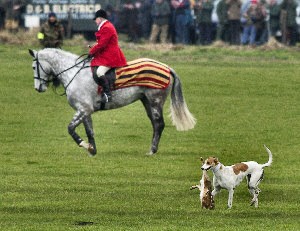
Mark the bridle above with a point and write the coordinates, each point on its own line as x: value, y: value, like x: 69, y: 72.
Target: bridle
x: 55, y: 76
x: 38, y: 66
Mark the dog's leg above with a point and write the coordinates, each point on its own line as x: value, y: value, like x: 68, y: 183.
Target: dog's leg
x: 230, y: 198
x: 254, y: 201
x: 252, y: 192
x: 253, y: 186
x: 216, y: 190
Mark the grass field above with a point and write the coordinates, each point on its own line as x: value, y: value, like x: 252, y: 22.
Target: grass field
x: 242, y: 99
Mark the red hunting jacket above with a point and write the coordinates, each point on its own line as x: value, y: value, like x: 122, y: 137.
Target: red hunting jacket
x: 106, y: 52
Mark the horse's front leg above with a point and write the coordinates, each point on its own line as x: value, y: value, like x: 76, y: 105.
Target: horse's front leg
x: 78, y: 118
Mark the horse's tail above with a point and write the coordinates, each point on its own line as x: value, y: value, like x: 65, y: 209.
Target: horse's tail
x: 180, y: 115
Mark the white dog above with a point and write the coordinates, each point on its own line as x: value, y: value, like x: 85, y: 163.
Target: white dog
x: 229, y: 177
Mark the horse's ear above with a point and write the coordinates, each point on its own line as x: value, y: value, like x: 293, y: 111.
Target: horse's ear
x: 32, y: 53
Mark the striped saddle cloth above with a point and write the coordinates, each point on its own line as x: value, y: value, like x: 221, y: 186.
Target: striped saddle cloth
x: 143, y: 72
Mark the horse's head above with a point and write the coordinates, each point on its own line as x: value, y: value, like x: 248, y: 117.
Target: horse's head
x: 42, y: 72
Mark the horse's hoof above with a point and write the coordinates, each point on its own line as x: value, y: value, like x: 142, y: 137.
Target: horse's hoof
x: 89, y: 147
x: 150, y: 153
x: 92, y: 151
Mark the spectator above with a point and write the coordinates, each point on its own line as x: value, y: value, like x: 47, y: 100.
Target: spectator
x: 9, y: 22
x: 245, y: 6
x: 249, y: 28
x: 234, y: 15
x: 262, y: 33
x: 274, y: 10
x: 111, y: 14
x: 288, y: 22
x: 222, y: 28
x: 194, y: 32
x: 131, y: 15
x: 203, y: 11
x: 160, y: 12
x: 145, y: 18
x: 51, y: 32
x: 19, y: 8
x: 182, y: 20
x: 2, y: 17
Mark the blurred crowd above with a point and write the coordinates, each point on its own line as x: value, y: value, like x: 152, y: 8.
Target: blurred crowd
x: 236, y: 22
x: 248, y: 22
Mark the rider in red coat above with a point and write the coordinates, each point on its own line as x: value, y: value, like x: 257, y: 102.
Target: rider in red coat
x: 106, y: 52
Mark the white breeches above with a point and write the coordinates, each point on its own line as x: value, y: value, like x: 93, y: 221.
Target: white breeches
x: 101, y: 70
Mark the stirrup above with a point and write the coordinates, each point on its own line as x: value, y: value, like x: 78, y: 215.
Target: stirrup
x: 106, y: 98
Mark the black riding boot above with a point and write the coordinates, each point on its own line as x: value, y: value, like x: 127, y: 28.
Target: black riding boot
x: 104, y: 83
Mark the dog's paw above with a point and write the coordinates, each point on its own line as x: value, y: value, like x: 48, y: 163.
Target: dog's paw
x: 252, y: 202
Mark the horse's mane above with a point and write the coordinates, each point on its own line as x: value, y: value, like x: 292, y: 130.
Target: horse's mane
x: 60, y: 53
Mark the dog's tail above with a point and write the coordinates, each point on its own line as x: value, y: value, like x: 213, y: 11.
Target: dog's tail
x: 270, y: 158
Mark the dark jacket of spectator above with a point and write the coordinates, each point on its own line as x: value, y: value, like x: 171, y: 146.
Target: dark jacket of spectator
x: 161, y: 13
x: 290, y: 7
x: 222, y: 9
x: 274, y: 10
x: 203, y: 11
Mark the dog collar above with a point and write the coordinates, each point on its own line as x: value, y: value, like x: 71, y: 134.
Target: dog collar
x: 217, y: 168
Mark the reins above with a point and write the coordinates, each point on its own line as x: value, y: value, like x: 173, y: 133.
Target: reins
x: 55, y: 76
x: 84, y: 61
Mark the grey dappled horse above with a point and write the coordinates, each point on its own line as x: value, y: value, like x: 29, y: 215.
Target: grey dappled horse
x: 50, y: 65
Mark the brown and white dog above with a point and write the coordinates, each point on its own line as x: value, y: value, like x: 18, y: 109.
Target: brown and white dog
x: 205, y: 188
x: 229, y: 177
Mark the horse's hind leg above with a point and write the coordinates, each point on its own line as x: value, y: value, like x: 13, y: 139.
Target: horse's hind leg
x: 155, y: 114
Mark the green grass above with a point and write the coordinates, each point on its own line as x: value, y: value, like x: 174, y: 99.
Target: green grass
x: 242, y: 99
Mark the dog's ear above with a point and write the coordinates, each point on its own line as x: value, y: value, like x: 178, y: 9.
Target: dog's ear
x: 216, y: 160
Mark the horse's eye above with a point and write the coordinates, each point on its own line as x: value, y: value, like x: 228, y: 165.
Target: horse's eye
x: 33, y: 68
